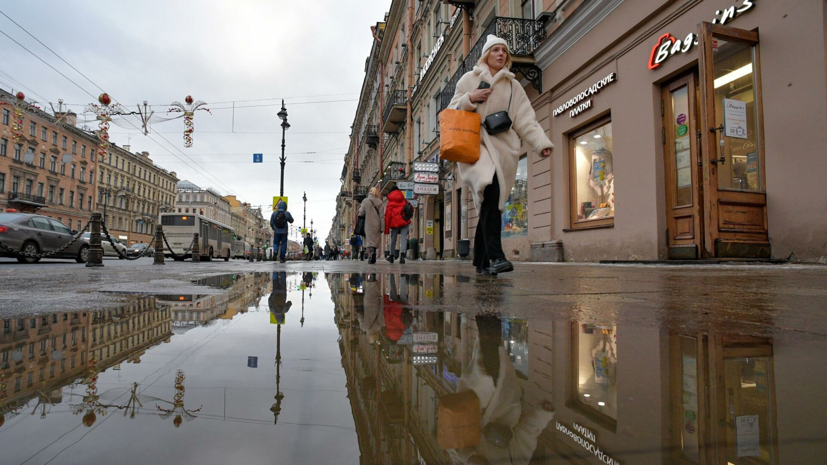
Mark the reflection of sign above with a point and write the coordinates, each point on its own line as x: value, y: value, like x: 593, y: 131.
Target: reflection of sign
x: 668, y: 45
x: 426, y: 189
x: 276, y: 200
x: 424, y: 359
x: 594, y: 89
x: 406, y: 340
x: 735, y: 118
x: 405, y: 185
x: 427, y: 167
x: 424, y: 348
x: 587, y: 441
x: 425, y: 337
x: 746, y: 436
x: 430, y: 178
x: 252, y: 362
x: 258, y: 157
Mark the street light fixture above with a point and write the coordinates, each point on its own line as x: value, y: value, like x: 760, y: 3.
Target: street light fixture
x: 304, y: 219
x: 284, y: 127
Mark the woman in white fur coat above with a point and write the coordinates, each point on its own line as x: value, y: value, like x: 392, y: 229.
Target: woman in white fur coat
x: 491, y: 178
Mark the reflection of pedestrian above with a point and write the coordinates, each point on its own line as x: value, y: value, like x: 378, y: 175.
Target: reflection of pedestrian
x: 373, y: 318
x: 509, y: 434
x: 278, y: 303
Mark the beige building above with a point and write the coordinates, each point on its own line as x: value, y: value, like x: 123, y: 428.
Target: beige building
x: 206, y: 202
x: 132, y: 193
x: 663, y: 151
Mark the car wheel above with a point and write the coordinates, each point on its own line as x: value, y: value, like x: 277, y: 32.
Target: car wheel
x: 177, y: 259
x: 29, y: 247
x: 83, y: 254
x: 208, y: 257
x: 227, y: 258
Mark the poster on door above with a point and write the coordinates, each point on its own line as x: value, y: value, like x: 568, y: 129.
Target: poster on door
x: 746, y: 436
x: 735, y: 118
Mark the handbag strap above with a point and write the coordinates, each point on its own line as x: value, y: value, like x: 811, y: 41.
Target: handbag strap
x: 510, y: 96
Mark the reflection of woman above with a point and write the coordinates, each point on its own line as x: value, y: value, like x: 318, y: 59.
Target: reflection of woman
x: 373, y: 318
x: 509, y: 434
x: 278, y: 303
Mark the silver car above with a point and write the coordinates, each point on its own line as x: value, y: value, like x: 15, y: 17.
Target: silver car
x: 37, y: 234
x: 119, y: 250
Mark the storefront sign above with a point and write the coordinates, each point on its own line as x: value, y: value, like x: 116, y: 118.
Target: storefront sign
x: 424, y: 348
x: 426, y: 167
x: 429, y: 228
x: 426, y: 189
x: 574, y: 101
x: 437, y: 47
x: 405, y: 185
x: 425, y: 337
x: 428, y: 178
x: 585, y: 442
x: 668, y: 45
x: 735, y: 118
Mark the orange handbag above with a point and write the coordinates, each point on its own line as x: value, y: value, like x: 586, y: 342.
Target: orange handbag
x: 459, y: 136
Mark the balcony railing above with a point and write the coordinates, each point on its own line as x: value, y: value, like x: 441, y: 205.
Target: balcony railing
x: 523, y: 37
x: 27, y: 199
x: 356, y: 176
x: 395, y: 111
x: 395, y: 171
x: 373, y: 136
x: 361, y: 193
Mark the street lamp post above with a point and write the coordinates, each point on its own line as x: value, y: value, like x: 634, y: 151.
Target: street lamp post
x: 304, y: 219
x: 284, y: 126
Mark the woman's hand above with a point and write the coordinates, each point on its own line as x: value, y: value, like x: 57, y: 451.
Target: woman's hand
x: 480, y: 95
x: 546, y: 152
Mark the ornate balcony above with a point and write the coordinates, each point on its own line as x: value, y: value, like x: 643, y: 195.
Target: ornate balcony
x: 357, y: 176
x: 26, y: 203
x: 361, y: 193
x: 373, y: 136
x: 523, y: 36
x: 396, y: 109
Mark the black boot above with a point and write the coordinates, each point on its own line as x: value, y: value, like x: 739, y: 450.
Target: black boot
x: 500, y: 265
x: 402, y: 259
x: 372, y: 259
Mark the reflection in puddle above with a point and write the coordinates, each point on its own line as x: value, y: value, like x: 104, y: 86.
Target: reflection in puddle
x: 259, y: 371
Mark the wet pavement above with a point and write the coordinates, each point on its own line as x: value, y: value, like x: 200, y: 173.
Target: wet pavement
x: 313, y: 363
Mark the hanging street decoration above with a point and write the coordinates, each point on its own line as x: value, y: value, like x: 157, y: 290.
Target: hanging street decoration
x: 104, y: 112
x: 91, y: 401
x: 178, y: 408
x: 188, y: 108
x: 20, y: 105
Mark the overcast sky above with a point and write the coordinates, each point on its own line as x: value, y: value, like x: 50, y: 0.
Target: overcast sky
x: 216, y: 51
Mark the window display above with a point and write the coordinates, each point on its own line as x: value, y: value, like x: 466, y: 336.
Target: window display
x: 515, y: 216
x: 593, y: 178
x: 596, y: 352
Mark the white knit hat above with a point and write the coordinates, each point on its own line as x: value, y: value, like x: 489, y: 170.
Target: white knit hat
x: 493, y: 40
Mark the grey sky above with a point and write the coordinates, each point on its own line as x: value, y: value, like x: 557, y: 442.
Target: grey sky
x: 216, y: 51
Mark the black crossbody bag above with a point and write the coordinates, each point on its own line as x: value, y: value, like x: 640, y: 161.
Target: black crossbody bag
x: 498, y: 122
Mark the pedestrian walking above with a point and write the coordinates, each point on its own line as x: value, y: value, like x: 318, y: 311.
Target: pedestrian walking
x: 308, y: 247
x: 398, y: 214
x: 374, y: 212
x: 327, y: 252
x: 279, y: 222
x: 491, y: 178
x: 355, y: 245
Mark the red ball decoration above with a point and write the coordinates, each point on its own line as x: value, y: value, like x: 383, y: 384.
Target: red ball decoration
x: 20, y: 96
x: 104, y: 99
x: 188, y: 99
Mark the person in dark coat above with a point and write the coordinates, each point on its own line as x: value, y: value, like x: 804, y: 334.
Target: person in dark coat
x: 396, y: 224
x: 280, y: 214
x: 308, y: 242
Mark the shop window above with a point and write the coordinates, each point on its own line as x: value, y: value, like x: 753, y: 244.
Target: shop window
x: 594, y: 353
x: 515, y: 216
x: 592, y: 176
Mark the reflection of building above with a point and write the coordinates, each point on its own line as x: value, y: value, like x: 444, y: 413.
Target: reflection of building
x: 126, y: 332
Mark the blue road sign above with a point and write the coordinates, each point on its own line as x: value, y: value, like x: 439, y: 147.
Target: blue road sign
x: 258, y: 158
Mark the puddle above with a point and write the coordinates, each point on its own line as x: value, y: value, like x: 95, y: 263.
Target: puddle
x: 406, y: 369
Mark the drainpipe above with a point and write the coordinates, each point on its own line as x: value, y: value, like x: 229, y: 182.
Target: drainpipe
x: 466, y: 32
x: 409, y: 119
x: 379, y: 132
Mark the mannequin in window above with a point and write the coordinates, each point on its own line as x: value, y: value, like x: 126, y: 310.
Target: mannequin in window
x: 601, y: 178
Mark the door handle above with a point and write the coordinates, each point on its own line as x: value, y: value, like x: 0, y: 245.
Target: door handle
x: 39, y: 234
x: 700, y: 149
x: 721, y: 160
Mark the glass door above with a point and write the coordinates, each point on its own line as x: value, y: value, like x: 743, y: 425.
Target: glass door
x: 684, y: 208
x: 732, y: 143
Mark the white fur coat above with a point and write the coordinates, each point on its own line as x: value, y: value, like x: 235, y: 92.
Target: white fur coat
x: 500, y: 153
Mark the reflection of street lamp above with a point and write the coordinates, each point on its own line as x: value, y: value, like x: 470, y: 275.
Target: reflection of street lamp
x: 284, y: 126
x: 276, y: 408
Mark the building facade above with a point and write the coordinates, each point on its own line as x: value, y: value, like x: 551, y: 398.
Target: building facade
x: 206, y: 202
x: 132, y: 192
x: 689, y: 98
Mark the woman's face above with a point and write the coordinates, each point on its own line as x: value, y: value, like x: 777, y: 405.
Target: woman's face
x: 497, y: 56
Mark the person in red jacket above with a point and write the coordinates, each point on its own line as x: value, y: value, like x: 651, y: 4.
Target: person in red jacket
x: 395, y: 222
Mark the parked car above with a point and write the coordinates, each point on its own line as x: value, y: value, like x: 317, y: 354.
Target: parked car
x: 34, y: 234
x: 140, y: 249
x: 108, y: 249
x: 241, y: 249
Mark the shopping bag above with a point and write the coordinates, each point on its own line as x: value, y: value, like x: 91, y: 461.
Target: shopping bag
x: 459, y: 136
x: 459, y: 419
x: 359, y: 228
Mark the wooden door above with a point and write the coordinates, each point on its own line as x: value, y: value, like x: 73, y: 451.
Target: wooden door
x: 684, y: 206
x: 735, y: 219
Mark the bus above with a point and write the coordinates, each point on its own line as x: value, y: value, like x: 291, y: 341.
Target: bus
x: 216, y: 239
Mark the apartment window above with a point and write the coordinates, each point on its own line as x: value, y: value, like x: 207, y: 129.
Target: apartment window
x: 5, y: 117
x: 60, y: 196
x: 63, y: 142
x: 2, y: 182
x: 116, y: 161
x: 42, y: 163
x: 62, y: 168
x: 15, y: 184
x: 71, y: 199
x: 82, y: 173
x: 33, y: 129
x: 101, y: 177
x: 29, y: 186
x: 74, y: 147
x: 4, y: 147
x: 80, y: 201
x: 40, y: 189
x: 83, y: 151
x: 91, y: 176
x: 594, y: 354
x: 108, y: 179
x: 43, y: 134
x: 53, y: 163
x: 89, y: 202
x: 592, y: 176
x: 17, y: 381
x: 73, y: 171
x: 79, y: 225
x: 51, y: 194
x: 54, y: 137
x: 17, y: 151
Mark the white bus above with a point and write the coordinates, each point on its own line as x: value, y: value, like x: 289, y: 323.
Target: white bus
x: 216, y: 239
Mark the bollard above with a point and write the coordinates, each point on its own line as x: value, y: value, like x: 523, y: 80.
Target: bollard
x: 159, y: 245
x: 259, y: 254
x: 250, y: 257
x: 196, y: 249
x: 95, y: 256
